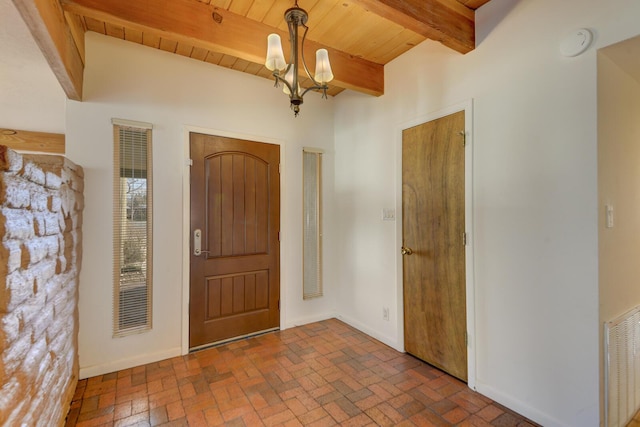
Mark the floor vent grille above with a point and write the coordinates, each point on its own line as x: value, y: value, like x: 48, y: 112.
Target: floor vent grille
x: 622, y: 368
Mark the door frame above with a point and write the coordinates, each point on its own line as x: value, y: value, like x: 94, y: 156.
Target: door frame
x: 186, y: 219
x: 467, y: 107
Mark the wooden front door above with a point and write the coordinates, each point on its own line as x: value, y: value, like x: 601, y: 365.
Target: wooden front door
x: 433, y: 224
x: 235, y: 208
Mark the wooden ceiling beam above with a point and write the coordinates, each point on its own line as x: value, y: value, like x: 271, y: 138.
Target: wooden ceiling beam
x: 474, y: 4
x: 218, y: 30
x: 45, y: 19
x: 446, y: 21
x: 24, y: 140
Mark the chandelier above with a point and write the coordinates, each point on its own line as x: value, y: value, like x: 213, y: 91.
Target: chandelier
x: 287, y: 74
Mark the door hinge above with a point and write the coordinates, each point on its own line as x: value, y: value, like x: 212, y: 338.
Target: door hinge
x: 279, y: 168
x: 278, y: 236
x: 189, y: 162
x: 464, y: 239
x: 466, y: 339
x: 278, y: 305
x: 464, y: 138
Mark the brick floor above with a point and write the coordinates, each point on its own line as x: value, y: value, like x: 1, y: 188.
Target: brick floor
x: 322, y: 374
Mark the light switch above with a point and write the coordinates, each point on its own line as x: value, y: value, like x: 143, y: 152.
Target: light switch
x: 609, y: 214
x: 388, y: 214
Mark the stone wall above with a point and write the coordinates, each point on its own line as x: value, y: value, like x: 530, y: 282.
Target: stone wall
x: 41, y: 202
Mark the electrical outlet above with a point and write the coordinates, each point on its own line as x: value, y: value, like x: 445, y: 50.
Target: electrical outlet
x: 388, y: 214
x: 385, y: 313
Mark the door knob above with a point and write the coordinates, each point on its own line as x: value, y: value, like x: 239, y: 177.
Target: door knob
x: 406, y: 251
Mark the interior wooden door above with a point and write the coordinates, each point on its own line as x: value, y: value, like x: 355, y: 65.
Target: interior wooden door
x: 433, y: 224
x: 235, y: 205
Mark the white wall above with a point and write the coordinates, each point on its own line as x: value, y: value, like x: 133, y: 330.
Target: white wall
x: 128, y: 81
x: 535, y: 197
x: 30, y: 96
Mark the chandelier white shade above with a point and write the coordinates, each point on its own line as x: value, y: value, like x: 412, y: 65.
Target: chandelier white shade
x: 323, y: 67
x: 275, y: 56
x: 287, y: 73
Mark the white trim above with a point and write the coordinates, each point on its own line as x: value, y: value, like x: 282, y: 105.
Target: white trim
x: 138, y: 360
x: 131, y: 124
x: 467, y: 107
x: 313, y: 150
x: 186, y: 218
x: 518, y: 406
x: 292, y: 323
x: 186, y: 239
x: 385, y: 339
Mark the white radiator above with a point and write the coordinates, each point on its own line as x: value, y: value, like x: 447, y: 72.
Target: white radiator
x: 622, y: 368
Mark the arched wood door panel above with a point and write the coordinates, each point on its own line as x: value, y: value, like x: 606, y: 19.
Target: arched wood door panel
x: 235, y: 203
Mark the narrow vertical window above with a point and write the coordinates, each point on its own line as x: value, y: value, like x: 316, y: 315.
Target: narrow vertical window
x: 132, y: 214
x: 312, y: 222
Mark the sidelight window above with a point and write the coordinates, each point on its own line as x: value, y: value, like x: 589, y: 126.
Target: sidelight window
x: 312, y: 222
x: 132, y: 226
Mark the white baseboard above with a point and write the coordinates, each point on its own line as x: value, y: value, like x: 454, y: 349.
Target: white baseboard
x: 349, y: 321
x: 118, y: 365
x: 306, y: 320
x: 518, y: 406
x: 393, y: 343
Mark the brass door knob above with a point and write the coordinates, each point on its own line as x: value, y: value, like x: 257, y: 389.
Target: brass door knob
x: 406, y: 251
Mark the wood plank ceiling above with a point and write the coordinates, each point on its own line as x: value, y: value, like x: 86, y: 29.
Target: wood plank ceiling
x: 361, y: 35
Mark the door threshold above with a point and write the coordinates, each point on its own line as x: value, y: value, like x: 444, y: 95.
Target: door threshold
x: 229, y: 340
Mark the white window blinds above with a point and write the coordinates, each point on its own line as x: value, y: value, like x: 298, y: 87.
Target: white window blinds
x: 312, y: 222
x: 132, y: 228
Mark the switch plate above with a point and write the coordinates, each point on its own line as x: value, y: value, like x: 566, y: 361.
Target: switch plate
x: 609, y: 215
x: 388, y: 214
